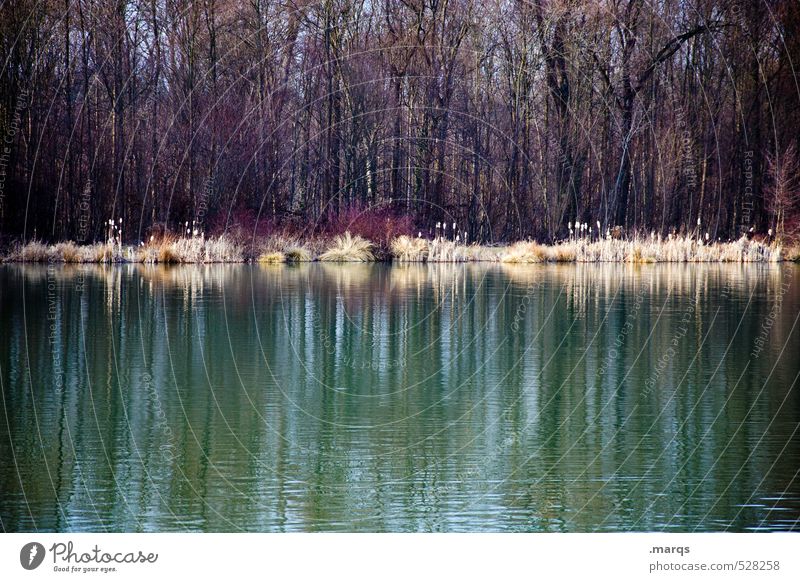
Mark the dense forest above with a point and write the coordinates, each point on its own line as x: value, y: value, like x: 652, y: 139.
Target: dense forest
x: 513, y: 118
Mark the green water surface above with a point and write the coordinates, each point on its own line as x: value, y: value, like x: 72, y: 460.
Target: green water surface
x: 399, y: 398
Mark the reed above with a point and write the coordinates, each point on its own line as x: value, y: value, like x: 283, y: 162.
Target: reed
x: 406, y: 249
x: 222, y: 249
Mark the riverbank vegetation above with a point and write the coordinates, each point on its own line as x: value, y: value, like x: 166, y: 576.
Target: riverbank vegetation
x: 513, y: 119
x: 406, y: 249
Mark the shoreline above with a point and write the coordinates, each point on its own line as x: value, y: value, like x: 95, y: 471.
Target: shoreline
x: 402, y: 249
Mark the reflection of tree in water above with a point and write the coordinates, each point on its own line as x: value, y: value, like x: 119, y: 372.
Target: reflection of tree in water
x: 474, y: 424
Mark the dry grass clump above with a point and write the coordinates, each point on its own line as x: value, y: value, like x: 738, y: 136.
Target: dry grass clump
x: 348, y: 248
x: 34, y: 252
x: 98, y: 253
x: 526, y: 252
x: 187, y: 250
x: 147, y: 254
x: 68, y: 252
x: 291, y: 247
x: 166, y: 254
x: 792, y: 253
x: 272, y: 257
x: 564, y: 253
x: 406, y: 249
x: 639, y: 253
x: 298, y: 254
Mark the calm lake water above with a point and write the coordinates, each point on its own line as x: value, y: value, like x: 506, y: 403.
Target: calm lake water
x: 419, y: 398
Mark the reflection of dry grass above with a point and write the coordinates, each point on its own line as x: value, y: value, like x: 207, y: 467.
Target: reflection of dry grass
x: 348, y: 248
x: 522, y: 274
x: 68, y: 252
x: 345, y: 278
x: 407, y: 276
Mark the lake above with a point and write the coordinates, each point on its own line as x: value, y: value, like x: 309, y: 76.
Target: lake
x: 356, y: 397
